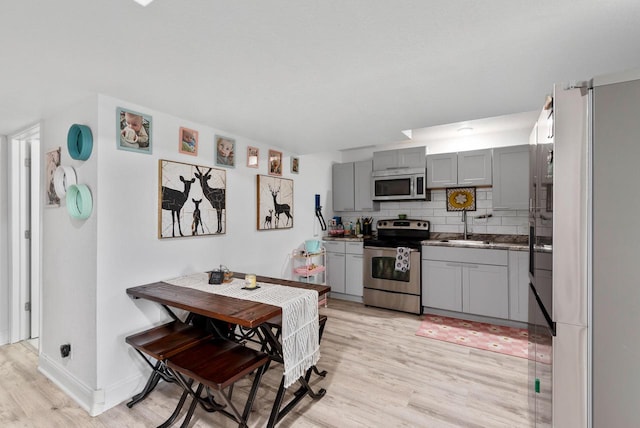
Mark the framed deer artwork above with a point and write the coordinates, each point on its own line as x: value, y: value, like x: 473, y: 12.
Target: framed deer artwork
x: 191, y: 200
x: 275, y: 203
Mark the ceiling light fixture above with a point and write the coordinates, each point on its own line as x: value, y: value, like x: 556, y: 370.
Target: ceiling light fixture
x: 465, y: 130
x: 407, y: 132
x: 143, y: 2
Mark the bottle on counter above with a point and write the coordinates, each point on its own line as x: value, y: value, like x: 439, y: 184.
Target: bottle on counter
x: 358, y: 227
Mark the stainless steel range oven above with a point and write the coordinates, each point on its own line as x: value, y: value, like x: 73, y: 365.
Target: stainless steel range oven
x: 384, y: 285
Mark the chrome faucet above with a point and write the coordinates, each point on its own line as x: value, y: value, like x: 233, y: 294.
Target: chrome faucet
x: 464, y: 220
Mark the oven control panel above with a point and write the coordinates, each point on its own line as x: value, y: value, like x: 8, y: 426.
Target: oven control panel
x: 396, y: 224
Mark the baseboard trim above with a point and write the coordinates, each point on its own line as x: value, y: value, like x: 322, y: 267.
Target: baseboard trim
x: 4, y: 337
x: 92, y: 401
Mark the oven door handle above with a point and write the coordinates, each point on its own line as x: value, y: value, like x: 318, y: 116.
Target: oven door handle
x: 413, y: 250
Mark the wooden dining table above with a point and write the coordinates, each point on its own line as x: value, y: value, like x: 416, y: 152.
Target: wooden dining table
x: 254, y: 316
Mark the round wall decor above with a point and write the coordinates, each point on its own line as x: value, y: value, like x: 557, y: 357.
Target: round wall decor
x: 79, y: 202
x: 79, y: 141
x: 63, y: 177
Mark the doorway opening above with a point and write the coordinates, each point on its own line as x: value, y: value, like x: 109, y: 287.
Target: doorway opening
x: 24, y: 234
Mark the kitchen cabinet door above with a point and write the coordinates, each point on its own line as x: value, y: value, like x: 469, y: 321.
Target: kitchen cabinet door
x: 511, y: 178
x: 412, y: 157
x: 442, y: 285
x: 486, y: 290
x: 518, y: 285
x: 353, y: 274
x: 386, y: 159
x: 442, y: 170
x: 362, y: 186
x: 474, y: 168
x: 336, y: 272
x: 343, y: 187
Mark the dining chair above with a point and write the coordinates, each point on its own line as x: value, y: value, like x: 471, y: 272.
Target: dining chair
x: 159, y: 343
x: 216, y: 365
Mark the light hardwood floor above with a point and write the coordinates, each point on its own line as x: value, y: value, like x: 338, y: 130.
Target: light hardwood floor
x: 380, y: 375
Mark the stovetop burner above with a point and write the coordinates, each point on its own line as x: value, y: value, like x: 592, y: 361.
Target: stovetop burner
x: 400, y: 233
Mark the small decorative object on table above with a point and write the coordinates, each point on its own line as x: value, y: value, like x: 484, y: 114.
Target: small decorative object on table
x: 250, y: 282
x: 216, y: 276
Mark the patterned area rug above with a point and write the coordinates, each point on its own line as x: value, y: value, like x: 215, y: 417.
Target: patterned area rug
x: 504, y: 340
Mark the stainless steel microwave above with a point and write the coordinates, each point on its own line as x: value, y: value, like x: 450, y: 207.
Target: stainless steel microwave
x: 399, y: 184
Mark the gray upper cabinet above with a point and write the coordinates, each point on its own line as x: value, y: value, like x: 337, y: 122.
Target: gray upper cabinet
x: 343, y: 187
x: 471, y: 168
x: 363, y: 195
x: 474, y: 168
x: 352, y: 187
x: 442, y: 170
x: 511, y: 178
x: 412, y: 157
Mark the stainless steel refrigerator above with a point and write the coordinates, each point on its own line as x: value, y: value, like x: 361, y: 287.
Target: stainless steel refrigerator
x: 540, y: 322
x: 615, y: 251
x: 594, y: 309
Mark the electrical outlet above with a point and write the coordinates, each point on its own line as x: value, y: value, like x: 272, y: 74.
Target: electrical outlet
x: 65, y: 350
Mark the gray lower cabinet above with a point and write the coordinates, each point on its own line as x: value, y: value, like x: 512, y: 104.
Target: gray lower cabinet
x: 470, y: 280
x: 519, y: 285
x: 353, y: 274
x: 336, y: 263
x: 485, y: 290
x: 344, y: 267
x: 442, y: 285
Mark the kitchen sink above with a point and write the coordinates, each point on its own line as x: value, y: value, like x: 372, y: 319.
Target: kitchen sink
x: 467, y: 242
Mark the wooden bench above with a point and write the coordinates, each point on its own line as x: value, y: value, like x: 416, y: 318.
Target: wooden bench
x: 160, y: 343
x: 216, y: 364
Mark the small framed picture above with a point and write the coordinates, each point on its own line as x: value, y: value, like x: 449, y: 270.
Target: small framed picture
x: 253, y: 154
x: 133, y: 131
x: 295, y: 165
x: 275, y: 162
x: 225, y: 151
x: 188, y: 143
x: 52, y: 162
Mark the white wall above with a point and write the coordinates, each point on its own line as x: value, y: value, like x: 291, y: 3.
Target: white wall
x: 89, y: 264
x: 4, y: 238
x: 511, y: 137
x: 69, y: 264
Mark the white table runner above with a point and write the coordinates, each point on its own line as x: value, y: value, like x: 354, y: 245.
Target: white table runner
x: 300, y: 341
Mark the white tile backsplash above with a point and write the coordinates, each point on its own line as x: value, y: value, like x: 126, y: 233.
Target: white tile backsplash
x: 501, y: 222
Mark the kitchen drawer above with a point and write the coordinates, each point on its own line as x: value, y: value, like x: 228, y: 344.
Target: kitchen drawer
x: 466, y: 255
x: 354, y: 247
x: 334, y: 246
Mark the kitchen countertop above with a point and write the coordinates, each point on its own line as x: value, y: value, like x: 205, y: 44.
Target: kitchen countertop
x: 344, y: 238
x: 485, y: 241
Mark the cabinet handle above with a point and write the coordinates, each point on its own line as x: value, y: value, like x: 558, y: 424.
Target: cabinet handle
x: 472, y: 266
x: 453, y: 264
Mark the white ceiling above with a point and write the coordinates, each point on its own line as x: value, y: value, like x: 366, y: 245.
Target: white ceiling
x: 309, y: 75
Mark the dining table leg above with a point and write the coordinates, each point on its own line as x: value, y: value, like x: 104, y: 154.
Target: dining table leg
x: 275, y: 411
